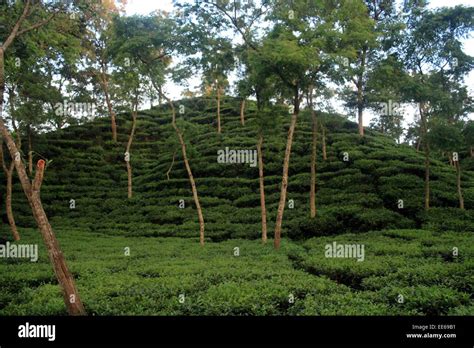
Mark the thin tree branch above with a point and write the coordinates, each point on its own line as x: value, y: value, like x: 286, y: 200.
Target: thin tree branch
x: 16, y: 27
x: 171, y: 166
x: 37, y: 25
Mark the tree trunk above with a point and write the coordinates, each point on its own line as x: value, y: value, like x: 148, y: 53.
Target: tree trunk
x: 30, y: 152
x: 312, y: 192
x: 427, y: 176
x: 314, y: 128
x: 8, y: 202
x: 8, y: 170
x: 193, y: 187
x: 105, y: 86
x: 284, y: 180
x: 129, y: 145
x: 426, y: 149
x: 472, y: 151
x: 323, y: 135
x: 360, y: 97
x: 66, y: 281
x: 360, y: 120
x: 218, y: 109
x: 160, y: 92
x: 242, y: 112
x: 188, y: 169
x: 262, y: 188
x: 458, y: 183
x: 171, y: 166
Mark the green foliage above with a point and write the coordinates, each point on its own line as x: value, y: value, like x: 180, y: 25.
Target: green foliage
x: 356, y: 196
x: 448, y: 219
x: 216, y: 282
x: 338, y: 220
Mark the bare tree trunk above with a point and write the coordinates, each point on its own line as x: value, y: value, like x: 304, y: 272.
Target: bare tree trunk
x: 218, y: 109
x: 189, y: 171
x: 360, y: 120
x: 262, y: 188
x: 193, y: 187
x: 472, y: 151
x: 284, y: 180
x: 160, y: 92
x: 427, y: 177
x: 113, y: 122
x: 30, y: 152
x: 8, y: 202
x: 8, y: 196
x: 66, y: 281
x: 171, y: 166
x: 360, y: 97
x: 242, y: 112
x: 8, y: 170
x: 105, y: 88
x: 312, y: 193
x: 127, y: 153
x: 323, y: 136
x: 458, y: 183
x: 426, y: 149
x: 314, y: 129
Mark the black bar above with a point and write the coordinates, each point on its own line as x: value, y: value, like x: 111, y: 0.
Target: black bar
x: 242, y: 330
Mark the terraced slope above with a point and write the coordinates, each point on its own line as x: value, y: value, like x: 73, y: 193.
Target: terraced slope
x: 357, y: 195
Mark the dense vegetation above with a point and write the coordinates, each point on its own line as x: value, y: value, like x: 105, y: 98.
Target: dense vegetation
x: 417, y: 264
x: 104, y: 143
x: 354, y: 197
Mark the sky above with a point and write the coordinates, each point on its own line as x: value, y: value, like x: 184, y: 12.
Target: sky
x: 144, y: 7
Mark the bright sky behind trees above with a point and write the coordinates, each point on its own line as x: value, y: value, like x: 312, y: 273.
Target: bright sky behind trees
x: 144, y: 7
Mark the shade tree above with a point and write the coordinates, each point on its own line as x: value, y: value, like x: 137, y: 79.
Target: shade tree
x: 20, y: 20
x: 98, y: 57
x: 432, y: 54
x: 154, y: 41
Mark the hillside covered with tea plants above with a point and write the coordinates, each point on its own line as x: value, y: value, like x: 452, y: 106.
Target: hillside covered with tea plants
x: 141, y: 256
x: 364, y: 184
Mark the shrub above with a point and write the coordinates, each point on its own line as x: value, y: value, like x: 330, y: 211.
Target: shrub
x: 448, y: 219
x: 343, y: 219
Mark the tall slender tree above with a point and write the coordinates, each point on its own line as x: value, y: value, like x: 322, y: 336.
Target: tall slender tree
x: 432, y: 53
x: 366, y: 37
x: 27, y: 17
x: 260, y: 82
x: 291, y: 47
x: 153, y: 54
x: 97, y: 51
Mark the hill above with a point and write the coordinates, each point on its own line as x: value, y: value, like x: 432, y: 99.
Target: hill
x: 359, y: 186
x: 141, y: 256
